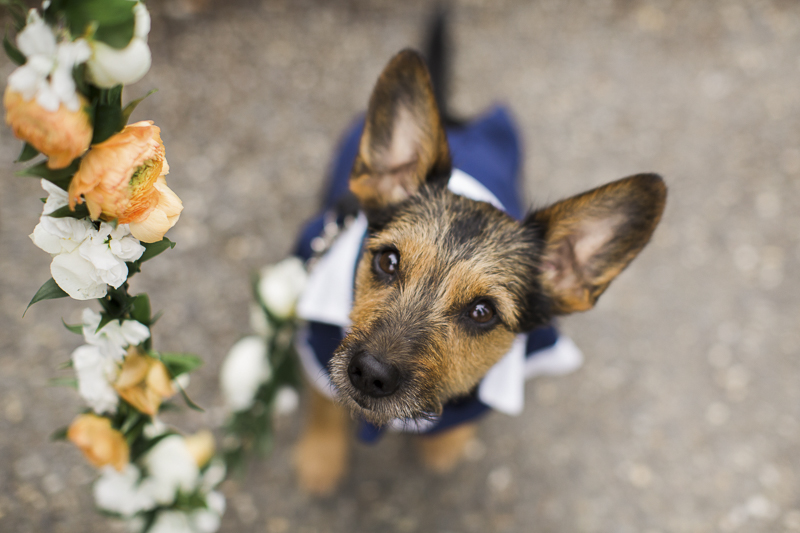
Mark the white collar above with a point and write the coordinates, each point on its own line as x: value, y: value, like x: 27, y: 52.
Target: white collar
x: 328, y: 298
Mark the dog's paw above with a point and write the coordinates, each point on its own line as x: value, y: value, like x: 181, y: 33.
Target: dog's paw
x: 320, y: 462
x: 441, y: 453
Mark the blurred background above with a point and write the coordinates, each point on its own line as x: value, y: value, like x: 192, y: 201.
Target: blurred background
x: 686, y: 414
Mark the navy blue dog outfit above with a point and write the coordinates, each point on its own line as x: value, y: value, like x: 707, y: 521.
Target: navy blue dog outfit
x: 486, y: 167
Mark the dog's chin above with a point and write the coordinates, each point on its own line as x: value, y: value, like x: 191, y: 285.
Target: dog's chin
x: 381, y: 411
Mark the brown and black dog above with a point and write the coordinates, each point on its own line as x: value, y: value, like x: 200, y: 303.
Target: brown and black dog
x: 445, y: 283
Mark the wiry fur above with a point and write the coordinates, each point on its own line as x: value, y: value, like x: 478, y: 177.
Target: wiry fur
x: 452, y: 251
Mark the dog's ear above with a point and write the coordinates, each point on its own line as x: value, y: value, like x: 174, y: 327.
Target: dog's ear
x: 403, y: 144
x: 591, y: 238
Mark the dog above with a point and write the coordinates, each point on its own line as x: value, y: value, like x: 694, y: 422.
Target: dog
x: 436, y: 292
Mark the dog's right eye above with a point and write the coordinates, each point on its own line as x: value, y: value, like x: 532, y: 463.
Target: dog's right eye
x: 386, y: 263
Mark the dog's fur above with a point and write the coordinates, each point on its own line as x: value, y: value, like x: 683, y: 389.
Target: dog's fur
x: 446, y: 283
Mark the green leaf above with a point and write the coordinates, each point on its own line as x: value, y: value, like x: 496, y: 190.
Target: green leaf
x: 61, y: 177
x: 152, y: 249
x: 107, y: 121
x: 180, y: 363
x: 189, y: 401
x: 65, y: 365
x: 28, y: 153
x: 80, y: 211
x: 13, y: 52
x: 140, y: 309
x: 64, y: 382
x: 114, y: 19
x: 59, y: 434
x: 133, y: 418
x: 77, y: 328
x: 49, y: 291
x: 126, y: 113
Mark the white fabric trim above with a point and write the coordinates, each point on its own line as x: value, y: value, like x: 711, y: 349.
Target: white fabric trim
x: 465, y: 185
x: 561, y: 358
x: 328, y: 296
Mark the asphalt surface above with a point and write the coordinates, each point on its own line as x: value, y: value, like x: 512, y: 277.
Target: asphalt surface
x: 686, y: 414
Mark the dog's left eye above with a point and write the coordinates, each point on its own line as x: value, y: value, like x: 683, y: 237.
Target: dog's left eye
x: 482, y: 312
x: 386, y: 262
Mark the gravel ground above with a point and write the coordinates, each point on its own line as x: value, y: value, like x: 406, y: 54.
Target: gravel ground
x: 686, y: 415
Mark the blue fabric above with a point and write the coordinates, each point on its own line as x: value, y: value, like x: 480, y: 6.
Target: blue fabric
x: 487, y: 149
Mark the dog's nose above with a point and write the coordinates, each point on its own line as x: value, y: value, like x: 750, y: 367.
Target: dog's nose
x: 372, y: 376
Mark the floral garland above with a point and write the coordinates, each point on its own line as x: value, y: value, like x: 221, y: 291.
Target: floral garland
x: 260, y: 375
x: 106, y: 213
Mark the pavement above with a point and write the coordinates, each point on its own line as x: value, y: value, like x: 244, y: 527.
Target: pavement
x: 685, y: 417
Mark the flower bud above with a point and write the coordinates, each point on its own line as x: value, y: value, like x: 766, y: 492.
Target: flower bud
x: 100, y: 443
x: 61, y: 135
x: 201, y: 447
x: 143, y: 382
x: 109, y: 66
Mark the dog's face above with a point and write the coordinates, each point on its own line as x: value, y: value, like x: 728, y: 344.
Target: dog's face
x: 445, y: 283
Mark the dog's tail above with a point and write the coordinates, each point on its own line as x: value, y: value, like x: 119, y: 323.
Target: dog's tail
x: 437, y: 50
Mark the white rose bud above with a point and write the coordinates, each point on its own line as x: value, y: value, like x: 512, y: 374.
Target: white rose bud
x: 281, y: 285
x: 109, y: 66
x: 243, y: 372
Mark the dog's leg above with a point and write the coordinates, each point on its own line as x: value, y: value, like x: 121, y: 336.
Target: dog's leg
x: 441, y: 452
x: 320, y: 457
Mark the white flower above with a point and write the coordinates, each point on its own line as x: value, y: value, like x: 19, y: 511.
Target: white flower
x: 95, y: 374
x: 286, y: 401
x: 243, y: 372
x: 114, y: 338
x: 213, y: 476
x: 47, y: 72
x: 171, y: 468
x: 85, y: 259
x: 172, y: 522
x: 280, y: 286
x: 121, y: 492
x: 109, y: 66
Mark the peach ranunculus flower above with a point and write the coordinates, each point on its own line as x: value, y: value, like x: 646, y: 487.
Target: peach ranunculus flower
x: 122, y: 178
x: 100, y: 443
x: 62, y: 135
x: 143, y: 382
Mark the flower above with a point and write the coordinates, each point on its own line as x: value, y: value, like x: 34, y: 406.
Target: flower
x: 201, y: 447
x: 113, y: 338
x: 281, y: 285
x: 97, y: 364
x: 171, y: 468
x: 62, y: 135
x: 95, y: 374
x: 47, y: 72
x: 243, y: 372
x: 42, y: 105
x: 122, y: 179
x: 100, y: 443
x: 85, y: 259
x: 143, y: 382
x: 121, y: 492
x: 286, y: 400
x: 109, y: 66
